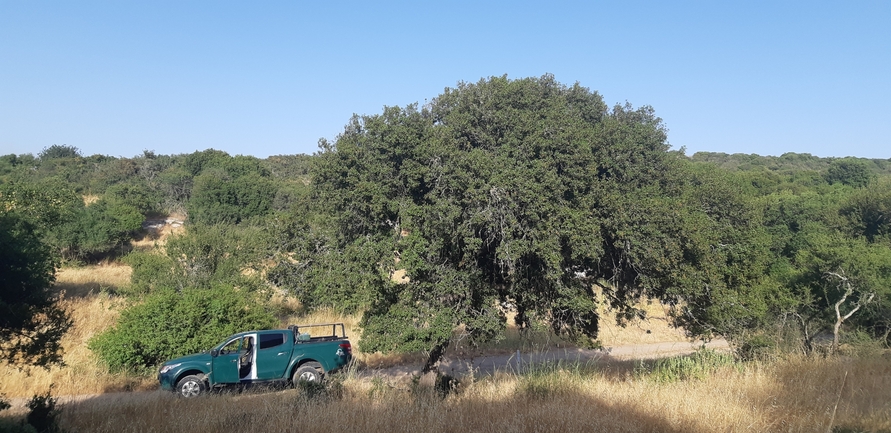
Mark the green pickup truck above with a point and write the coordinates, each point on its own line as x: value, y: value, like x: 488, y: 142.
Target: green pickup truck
x: 299, y: 353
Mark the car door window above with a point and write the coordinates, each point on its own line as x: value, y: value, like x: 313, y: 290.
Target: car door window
x: 268, y: 341
x: 231, y: 347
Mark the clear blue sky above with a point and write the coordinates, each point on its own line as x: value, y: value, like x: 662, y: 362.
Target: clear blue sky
x: 272, y: 77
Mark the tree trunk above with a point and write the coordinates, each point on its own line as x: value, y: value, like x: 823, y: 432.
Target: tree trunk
x: 839, y: 319
x: 434, y: 357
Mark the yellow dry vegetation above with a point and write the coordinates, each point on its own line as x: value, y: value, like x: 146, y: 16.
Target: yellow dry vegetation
x: 90, y: 199
x: 82, y: 373
x: 655, y: 327
x: 799, y: 394
x: 92, y: 310
x: 86, y: 280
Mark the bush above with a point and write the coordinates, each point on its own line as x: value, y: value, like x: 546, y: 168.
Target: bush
x: 696, y: 366
x: 757, y: 347
x: 218, y: 198
x: 135, y: 195
x: 57, y: 151
x: 217, y: 255
x: 97, y: 229
x: 171, y: 323
x: 151, y: 271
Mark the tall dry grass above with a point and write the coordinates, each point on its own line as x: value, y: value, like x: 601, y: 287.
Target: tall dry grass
x: 92, y: 310
x: 79, y: 282
x: 793, y: 395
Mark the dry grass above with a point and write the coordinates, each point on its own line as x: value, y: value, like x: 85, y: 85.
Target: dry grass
x: 797, y: 395
x: 81, y: 374
x: 92, y: 311
x: 655, y: 328
x: 82, y: 281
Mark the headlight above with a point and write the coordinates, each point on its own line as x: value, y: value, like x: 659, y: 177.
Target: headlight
x: 169, y: 367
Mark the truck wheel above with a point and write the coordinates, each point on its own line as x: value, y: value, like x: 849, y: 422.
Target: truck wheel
x: 309, y: 372
x: 190, y: 386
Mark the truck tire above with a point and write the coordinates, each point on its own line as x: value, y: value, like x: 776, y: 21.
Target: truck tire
x: 309, y: 372
x: 191, y: 386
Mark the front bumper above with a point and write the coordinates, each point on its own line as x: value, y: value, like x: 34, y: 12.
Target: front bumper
x: 166, y: 380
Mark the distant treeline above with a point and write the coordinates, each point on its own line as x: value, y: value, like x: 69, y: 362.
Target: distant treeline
x: 786, y: 162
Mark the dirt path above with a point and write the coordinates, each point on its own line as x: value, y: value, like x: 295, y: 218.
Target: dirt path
x: 517, y: 362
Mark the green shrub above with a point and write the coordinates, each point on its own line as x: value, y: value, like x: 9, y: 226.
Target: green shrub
x: 757, y: 347
x: 203, y: 257
x: 97, y: 229
x: 151, y: 271
x: 218, y: 198
x: 170, y: 323
x: 699, y: 365
x: 135, y: 195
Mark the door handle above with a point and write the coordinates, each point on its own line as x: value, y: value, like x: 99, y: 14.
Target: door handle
x: 281, y: 353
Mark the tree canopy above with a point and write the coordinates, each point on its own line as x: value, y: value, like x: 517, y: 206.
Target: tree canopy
x: 31, y: 324
x: 527, y: 194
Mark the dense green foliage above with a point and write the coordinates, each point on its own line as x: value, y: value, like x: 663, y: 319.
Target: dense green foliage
x: 228, y: 190
x: 170, y: 323
x: 201, y: 257
x: 523, y: 196
x: 530, y: 194
x: 321, y: 275
x: 31, y: 325
x: 200, y: 289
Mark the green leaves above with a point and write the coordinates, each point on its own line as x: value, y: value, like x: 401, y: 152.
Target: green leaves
x: 31, y: 325
x: 169, y: 323
x: 849, y: 171
x: 206, y: 255
x: 218, y: 198
x: 520, y: 192
x: 98, y: 228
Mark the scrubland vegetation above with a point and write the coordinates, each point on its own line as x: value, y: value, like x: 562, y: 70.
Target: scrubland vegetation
x: 504, y: 215
x: 706, y: 392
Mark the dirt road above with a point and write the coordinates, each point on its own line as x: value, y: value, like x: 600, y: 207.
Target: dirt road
x: 518, y: 362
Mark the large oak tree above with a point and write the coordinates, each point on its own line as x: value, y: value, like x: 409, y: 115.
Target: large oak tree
x: 533, y: 196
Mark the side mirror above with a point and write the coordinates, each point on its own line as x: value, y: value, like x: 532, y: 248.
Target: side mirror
x: 214, y: 352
